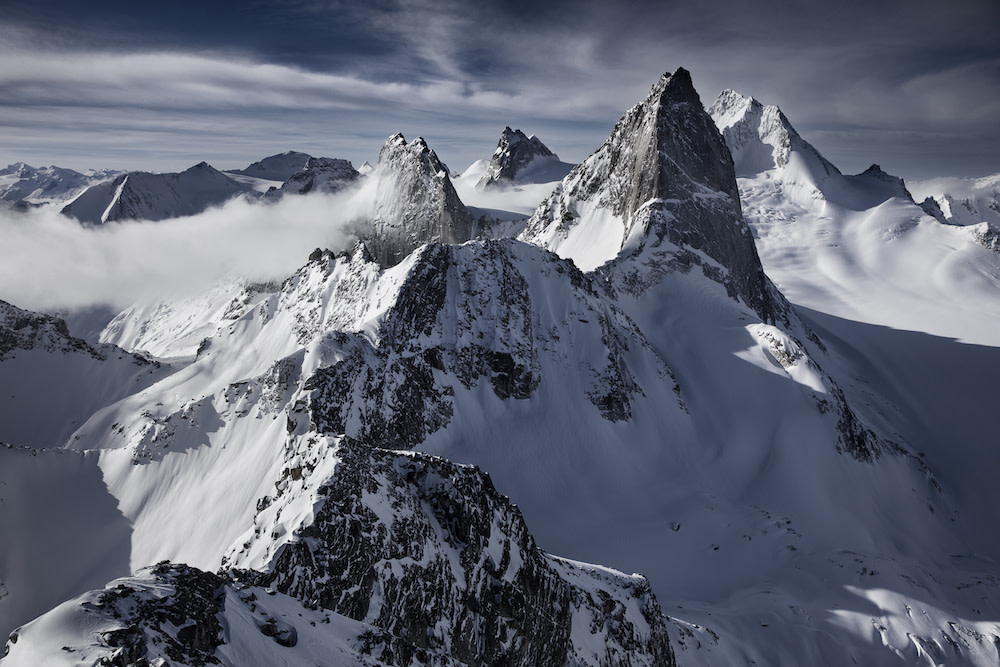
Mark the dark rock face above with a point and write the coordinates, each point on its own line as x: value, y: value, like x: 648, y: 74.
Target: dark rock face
x: 25, y: 330
x: 667, y: 174
x: 415, y: 202
x: 179, y: 620
x: 515, y: 151
x: 279, y: 167
x: 451, y: 569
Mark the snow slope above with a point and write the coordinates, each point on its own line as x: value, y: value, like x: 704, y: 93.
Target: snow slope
x: 51, y: 382
x: 800, y: 483
x: 856, y: 246
x: 962, y: 201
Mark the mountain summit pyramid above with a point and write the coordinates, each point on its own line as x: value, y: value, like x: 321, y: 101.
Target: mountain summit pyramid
x: 663, y: 185
x: 415, y: 202
x: 519, y: 158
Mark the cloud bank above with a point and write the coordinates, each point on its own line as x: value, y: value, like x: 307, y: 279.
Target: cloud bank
x: 50, y: 262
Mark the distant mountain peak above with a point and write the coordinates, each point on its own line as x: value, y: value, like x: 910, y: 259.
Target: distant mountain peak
x: 320, y: 174
x: 278, y: 167
x: 139, y: 195
x: 521, y: 158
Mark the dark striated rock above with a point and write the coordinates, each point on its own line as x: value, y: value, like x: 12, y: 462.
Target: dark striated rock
x: 415, y: 202
x: 429, y: 552
x: 667, y: 175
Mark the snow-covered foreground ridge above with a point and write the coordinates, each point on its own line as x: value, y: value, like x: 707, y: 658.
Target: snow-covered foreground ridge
x: 637, y: 385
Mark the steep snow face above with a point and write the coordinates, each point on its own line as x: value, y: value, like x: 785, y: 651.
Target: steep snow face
x: 318, y: 175
x: 763, y: 141
x: 960, y: 201
x: 144, y: 196
x: 278, y: 167
x: 21, y: 182
x: 51, y: 382
x: 857, y: 246
x: 521, y: 159
x: 174, y: 330
x: 414, y: 202
x: 662, y: 187
x: 261, y: 451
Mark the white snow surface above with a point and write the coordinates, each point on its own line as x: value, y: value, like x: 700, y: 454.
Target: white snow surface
x: 963, y: 201
x: 728, y: 484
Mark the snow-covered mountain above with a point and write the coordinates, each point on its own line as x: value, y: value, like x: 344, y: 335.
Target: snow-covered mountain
x: 22, y: 182
x: 520, y: 159
x: 798, y: 487
x: 322, y: 174
x: 964, y: 202
x: 139, y: 195
x: 855, y: 246
x: 414, y: 201
x: 278, y: 167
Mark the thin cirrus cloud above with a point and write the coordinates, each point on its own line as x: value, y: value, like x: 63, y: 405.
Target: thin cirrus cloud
x: 336, y: 75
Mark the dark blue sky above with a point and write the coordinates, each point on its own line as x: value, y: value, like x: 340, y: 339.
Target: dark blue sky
x: 913, y: 85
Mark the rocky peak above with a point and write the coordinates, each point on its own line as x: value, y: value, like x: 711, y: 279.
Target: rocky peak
x: 25, y: 330
x: 415, y: 202
x: 759, y: 137
x: 514, y: 152
x: 663, y: 184
x: 320, y: 174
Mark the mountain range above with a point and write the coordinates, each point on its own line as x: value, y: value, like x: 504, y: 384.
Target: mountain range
x: 707, y: 356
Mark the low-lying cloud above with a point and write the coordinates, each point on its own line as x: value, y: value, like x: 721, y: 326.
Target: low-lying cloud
x: 49, y: 262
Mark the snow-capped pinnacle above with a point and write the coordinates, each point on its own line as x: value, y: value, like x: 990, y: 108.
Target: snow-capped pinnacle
x: 759, y: 137
x: 520, y: 158
x: 662, y: 185
x: 415, y: 201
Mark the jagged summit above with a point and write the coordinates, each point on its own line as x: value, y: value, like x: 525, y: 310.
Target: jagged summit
x: 414, y: 201
x: 763, y: 141
x: 663, y: 184
x: 140, y: 195
x: 759, y: 137
x: 320, y: 174
x: 520, y: 158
